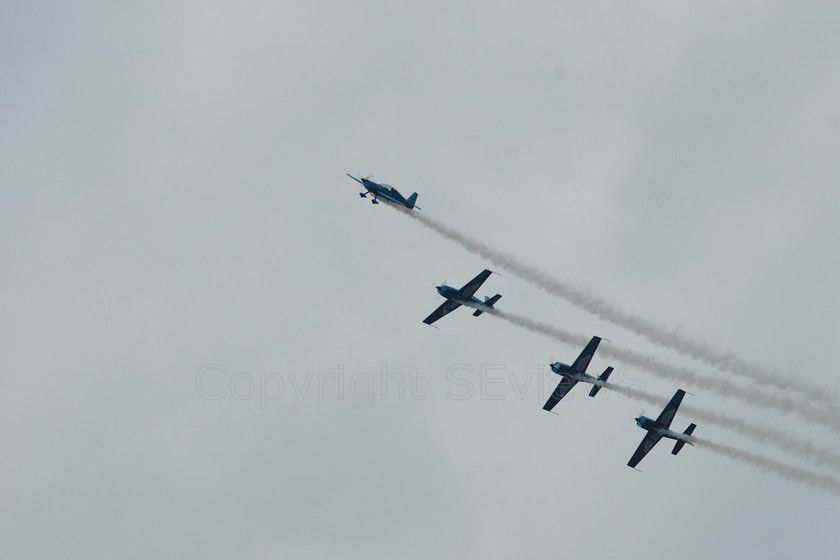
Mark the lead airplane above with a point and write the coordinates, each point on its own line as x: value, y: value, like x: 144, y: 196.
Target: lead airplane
x: 456, y: 298
x: 572, y: 374
x: 383, y: 190
x: 659, y: 428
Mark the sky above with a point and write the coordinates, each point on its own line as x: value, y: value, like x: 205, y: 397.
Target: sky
x: 212, y: 347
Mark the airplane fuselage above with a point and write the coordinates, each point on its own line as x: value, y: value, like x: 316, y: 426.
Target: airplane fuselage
x: 652, y: 425
x: 387, y: 192
x: 452, y: 293
x: 567, y: 371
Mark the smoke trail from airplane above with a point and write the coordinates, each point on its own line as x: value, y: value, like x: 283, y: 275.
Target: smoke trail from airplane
x: 797, y: 447
x: 752, y: 395
x: 790, y: 472
x: 612, y: 312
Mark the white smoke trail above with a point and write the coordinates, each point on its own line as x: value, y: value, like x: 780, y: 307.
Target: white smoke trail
x: 797, y: 447
x: 790, y: 472
x: 612, y: 312
x: 752, y: 395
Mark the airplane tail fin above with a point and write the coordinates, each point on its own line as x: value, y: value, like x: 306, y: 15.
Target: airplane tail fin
x: 604, y: 377
x: 411, y: 200
x: 488, y: 302
x: 680, y: 443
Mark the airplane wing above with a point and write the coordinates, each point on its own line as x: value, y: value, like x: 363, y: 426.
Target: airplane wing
x: 445, y: 308
x: 582, y: 361
x: 650, y: 439
x: 670, y: 409
x: 473, y: 285
x: 563, y: 387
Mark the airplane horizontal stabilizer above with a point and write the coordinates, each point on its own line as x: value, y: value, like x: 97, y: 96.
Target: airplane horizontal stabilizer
x: 680, y: 443
x: 604, y: 377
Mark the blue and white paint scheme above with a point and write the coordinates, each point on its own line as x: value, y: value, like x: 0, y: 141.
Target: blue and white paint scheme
x: 575, y: 373
x: 455, y: 298
x: 385, y: 191
x: 660, y: 428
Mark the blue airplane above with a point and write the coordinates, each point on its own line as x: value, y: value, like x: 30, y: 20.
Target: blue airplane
x: 571, y: 374
x: 385, y: 191
x: 456, y: 298
x: 659, y: 428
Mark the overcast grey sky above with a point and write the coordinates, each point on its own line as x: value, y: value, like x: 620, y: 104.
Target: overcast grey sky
x: 212, y: 347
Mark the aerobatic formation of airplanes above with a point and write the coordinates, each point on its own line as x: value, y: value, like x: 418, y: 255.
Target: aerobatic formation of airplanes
x: 383, y: 190
x: 570, y: 375
x: 456, y: 298
x: 659, y: 428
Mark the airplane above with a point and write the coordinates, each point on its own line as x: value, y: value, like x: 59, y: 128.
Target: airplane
x: 385, y: 191
x: 576, y: 372
x: 464, y: 296
x: 658, y: 429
